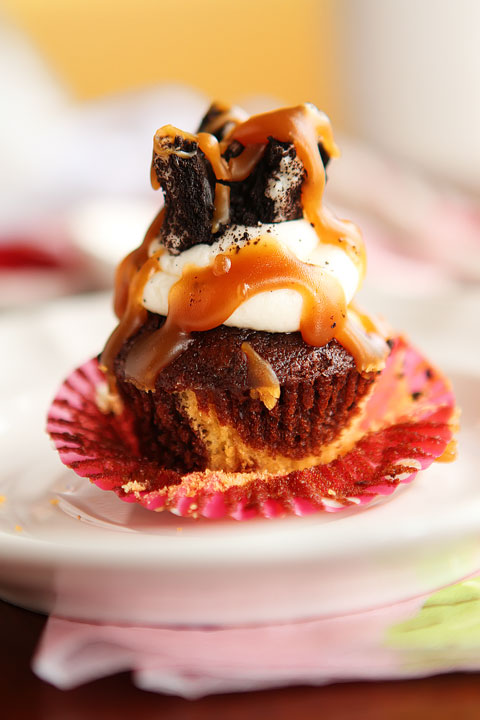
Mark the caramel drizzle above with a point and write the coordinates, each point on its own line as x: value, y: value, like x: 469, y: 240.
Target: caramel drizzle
x: 305, y: 126
x: 130, y: 279
x: 261, y: 377
x: 235, y: 170
x: 132, y: 263
x: 159, y: 148
x: 229, y: 115
x: 205, y: 297
x: 450, y: 453
x: 365, y: 343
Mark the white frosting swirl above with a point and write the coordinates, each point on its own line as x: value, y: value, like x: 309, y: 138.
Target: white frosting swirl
x: 272, y: 311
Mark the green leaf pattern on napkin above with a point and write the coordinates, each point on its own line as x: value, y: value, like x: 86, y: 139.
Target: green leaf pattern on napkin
x: 444, y: 633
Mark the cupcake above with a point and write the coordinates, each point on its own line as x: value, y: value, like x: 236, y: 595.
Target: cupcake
x: 241, y: 367
x: 238, y: 348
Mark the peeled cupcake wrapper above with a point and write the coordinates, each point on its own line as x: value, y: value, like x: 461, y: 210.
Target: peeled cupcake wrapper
x: 409, y: 420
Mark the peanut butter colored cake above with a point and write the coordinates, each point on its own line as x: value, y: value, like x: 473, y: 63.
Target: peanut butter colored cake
x: 239, y: 346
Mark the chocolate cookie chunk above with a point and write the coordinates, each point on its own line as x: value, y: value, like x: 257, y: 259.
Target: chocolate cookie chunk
x: 188, y: 183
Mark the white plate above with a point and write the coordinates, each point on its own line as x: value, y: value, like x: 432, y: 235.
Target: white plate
x: 88, y: 555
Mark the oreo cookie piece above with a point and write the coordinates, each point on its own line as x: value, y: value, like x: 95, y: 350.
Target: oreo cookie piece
x: 220, y: 119
x: 188, y: 183
x: 272, y: 192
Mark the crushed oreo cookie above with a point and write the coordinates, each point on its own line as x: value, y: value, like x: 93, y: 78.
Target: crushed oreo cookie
x: 188, y: 183
x: 220, y: 119
x: 270, y: 194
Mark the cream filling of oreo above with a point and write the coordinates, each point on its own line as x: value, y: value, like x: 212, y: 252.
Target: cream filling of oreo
x: 272, y: 311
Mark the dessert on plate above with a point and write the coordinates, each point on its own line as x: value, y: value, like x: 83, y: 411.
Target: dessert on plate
x: 242, y: 378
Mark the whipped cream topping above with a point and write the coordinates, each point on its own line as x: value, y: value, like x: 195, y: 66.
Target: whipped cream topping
x: 272, y: 311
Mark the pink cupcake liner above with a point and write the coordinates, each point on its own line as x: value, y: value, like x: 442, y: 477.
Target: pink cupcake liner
x: 408, y: 423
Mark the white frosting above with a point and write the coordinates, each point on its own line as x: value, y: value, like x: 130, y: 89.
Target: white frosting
x: 272, y: 311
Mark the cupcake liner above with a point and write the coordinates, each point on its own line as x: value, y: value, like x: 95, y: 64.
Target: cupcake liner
x: 408, y: 423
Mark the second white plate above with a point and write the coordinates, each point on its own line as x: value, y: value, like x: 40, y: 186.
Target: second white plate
x: 67, y: 547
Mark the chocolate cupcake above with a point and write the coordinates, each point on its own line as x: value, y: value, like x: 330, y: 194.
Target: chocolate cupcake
x: 238, y: 347
x: 242, y: 380
x: 207, y: 412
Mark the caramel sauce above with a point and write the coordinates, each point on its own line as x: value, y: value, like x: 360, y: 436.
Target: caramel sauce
x: 131, y: 264
x: 134, y: 315
x: 153, y: 352
x: 221, y: 214
x: 367, y: 347
x: 228, y: 116
x: 241, y: 166
x: 450, y: 452
x: 159, y: 148
x: 130, y: 279
x: 305, y: 126
x: 236, y: 169
x: 205, y: 297
x: 261, y: 377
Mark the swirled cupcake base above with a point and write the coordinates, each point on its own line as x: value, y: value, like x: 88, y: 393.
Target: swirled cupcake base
x: 407, y: 422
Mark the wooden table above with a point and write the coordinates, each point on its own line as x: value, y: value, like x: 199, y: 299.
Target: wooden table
x: 22, y: 695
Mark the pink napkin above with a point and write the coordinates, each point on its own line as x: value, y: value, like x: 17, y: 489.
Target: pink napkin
x: 418, y: 637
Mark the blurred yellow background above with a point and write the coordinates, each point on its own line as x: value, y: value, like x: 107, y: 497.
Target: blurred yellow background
x: 228, y: 49
x: 379, y: 68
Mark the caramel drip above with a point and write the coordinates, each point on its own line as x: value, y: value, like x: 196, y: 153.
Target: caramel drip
x: 132, y: 264
x: 450, y: 452
x: 153, y: 176
x: 221, y: 214
x: 241, y: 166
x: 205, y: 297
x: 134, y: 315
x: 153, y: 352
x: 367, y: 347
x: 130, y: 279
x: 261, y: 377
x: 236, y: 169
x: 159, y: 148
x: 228, y: 115
x: 171, y: 132
x: 305, y: 126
